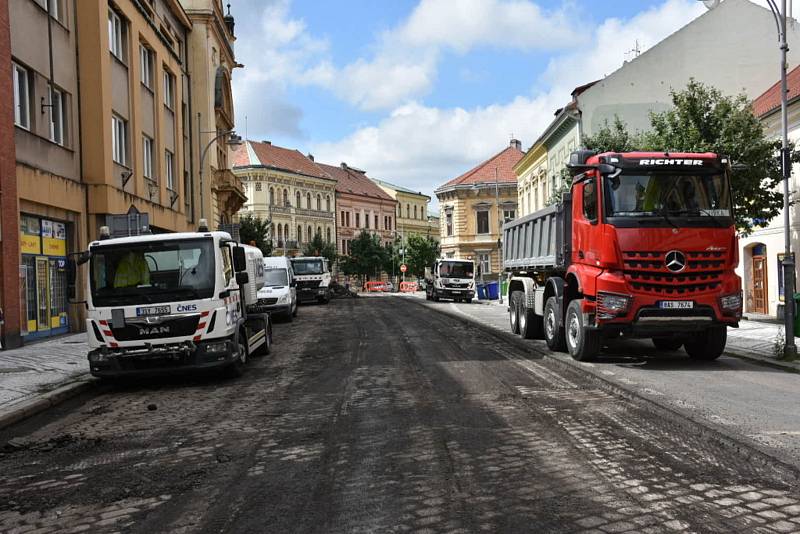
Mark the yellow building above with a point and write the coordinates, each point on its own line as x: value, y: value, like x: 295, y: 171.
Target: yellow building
x: 475, y: 205
x: 288, y: 188
x: 211, y: 63
x: 412, y: 210
x: 531, y: 172
x: 135, y: 133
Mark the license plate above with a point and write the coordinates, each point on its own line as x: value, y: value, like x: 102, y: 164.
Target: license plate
x: 152, y: 310
x: 676, y: 304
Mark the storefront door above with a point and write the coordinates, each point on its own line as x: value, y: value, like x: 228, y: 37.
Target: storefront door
x: 42, y: 295
x: 760, y: 285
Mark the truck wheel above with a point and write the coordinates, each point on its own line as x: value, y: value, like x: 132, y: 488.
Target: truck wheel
x: 289, y: 316
x: 667, y: 343
x: 553, y: 335
x: 236, y: 369
x: 707, y: 345
x: 530, y: 324
x: 434, y: 296
x: 513, y: 311
x: 296, y: 308
x: 583, y: 343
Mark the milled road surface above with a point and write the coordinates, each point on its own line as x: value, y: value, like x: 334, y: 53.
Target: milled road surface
x: 379, y: 415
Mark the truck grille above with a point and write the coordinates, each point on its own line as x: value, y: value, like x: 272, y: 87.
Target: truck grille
x: 647, y: 272
x: 308, y: 284
x: 136, y: 329
x: 267, y: 302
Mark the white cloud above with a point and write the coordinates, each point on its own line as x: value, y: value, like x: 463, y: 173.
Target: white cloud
x: 422, y: 147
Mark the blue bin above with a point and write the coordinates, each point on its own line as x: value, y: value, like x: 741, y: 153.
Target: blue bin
x: 492, y: 288
x: 481, y: 290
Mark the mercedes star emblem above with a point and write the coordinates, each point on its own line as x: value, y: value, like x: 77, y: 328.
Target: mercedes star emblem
x: 675, y: 261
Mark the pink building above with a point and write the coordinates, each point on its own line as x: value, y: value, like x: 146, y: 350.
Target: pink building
x: 360, y: 205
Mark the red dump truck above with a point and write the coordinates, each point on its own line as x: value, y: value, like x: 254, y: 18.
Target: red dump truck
x: 643, y: 245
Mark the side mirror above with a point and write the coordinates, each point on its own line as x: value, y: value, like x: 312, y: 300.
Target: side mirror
x: 72, y: 274
x: 239, y: 259
x: 242, y: 278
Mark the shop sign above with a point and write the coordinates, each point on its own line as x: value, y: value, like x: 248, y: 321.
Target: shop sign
x: 54, y: 238
x: 29, y: 240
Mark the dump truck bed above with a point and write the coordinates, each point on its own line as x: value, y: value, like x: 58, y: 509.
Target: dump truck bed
x: 540, y: 240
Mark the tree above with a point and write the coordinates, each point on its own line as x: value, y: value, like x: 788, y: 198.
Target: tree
x: 421, y: 252
x: 255, y: 230
x: 319, y: 247
x: 704, y: 120
x: 367, y: 256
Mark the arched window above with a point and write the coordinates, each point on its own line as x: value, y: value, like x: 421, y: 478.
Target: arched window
x: 308, y: 200
x: 280, y: 232
x: 285, y: 198
x: 328, y: 204
x: 271, y: 196
x: 408, y: 211
x: 297, y: 200
x: 319, y: 231
x: 309, y: 235
x: 286, y: 232
x: 299, y: 232
x: 328, y: 235
x: 319, y: 203
x: 415, y: 212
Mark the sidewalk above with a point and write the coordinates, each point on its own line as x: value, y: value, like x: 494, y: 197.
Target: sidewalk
x: 41, y: 374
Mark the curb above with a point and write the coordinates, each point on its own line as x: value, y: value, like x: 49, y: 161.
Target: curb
x: 781, y: 464
x: 40, y: 403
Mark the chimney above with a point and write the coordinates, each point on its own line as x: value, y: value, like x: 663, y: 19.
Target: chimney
x: 310, y: 156
x: 343, y: 165
x: 266, y: 142
x: 516, y: 143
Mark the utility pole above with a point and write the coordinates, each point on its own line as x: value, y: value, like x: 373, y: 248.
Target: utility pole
x: 500, y: 236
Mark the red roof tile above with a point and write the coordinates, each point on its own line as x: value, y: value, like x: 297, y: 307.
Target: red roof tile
x: 770, y: 99
x: 355, y: 182
x: 251, y: 153
x: 503, y: 161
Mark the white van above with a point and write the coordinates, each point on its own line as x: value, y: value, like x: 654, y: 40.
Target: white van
x: 279, y: 294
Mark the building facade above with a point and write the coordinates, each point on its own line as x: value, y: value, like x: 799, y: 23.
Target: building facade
x: 211, y: 61
x: 475, y: 205
x: 412, y: 210
x: 288, y: 188
x: 360, y: 206
x: 134, y: 87
x: 51, y: 216
x: 761, y: 252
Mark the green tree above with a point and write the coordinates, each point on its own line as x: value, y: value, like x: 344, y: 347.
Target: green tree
x: 614, y: 137
x: 253, y: 230
x: 367, y: 256
x: 319, y: 247
x: 421, y: 251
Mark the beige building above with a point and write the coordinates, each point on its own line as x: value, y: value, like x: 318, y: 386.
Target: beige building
x: 135, y: 123
x: 52, y: 199
x: 211, y: 63
x: 288, y: 188
x: 475, y: 205
x: 412, y: 210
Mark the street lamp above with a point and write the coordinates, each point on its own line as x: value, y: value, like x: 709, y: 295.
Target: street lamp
x: 232, y: 140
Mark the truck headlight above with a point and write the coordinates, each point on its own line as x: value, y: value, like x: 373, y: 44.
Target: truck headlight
x: 731, y: 302
x: 284, y: 299
x: 217, y: 346
x: 610, y: 305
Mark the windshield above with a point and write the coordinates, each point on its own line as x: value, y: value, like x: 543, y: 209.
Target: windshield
x: 275, y: 276
x: 658, y: 194
x: 302, y: 267
x: 461, y: 269
x: 158, y: 271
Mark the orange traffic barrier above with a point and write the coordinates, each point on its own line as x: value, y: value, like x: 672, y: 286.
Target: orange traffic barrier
x: 408, y: 287
x: 375, y: 286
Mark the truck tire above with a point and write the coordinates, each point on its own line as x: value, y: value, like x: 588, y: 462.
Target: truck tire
x: 667, y: 343
x: 553, y: 335
x: 434, y: 296
x: 513, y: 311
x: 583, y: 343
x: 707, y: 345
x: 531, y: 326
x: 236, y: 368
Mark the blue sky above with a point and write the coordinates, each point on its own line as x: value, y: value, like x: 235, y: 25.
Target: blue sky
x: 416, y: 92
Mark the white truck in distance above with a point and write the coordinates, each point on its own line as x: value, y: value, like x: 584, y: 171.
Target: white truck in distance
x: 313, y: 278
x: 171, y: 303
x: 450, y: 278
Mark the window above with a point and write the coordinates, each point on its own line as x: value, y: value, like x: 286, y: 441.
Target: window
x: 227, y: 264
x: 22, y: 97
x: 299, y: 233
x: 297, y: 200
x: 169, y: 169
x: 308, y: 201
x: 286, y: 197
x: 448, y: 220
x: 390, y: 224
x: 376, y: 222
x: 408, y: 211
x: 169, y: 90
x: 328, y: 203
x: 509, y: 215
x: 115, y: 35
x: 415, y: 212
x: 258, y: 186
x: 366, y: 220
x: 319, y: 203
x: 358, y: 220
x: 57, y: 116
x: 119, y: 139
x: 342, y: 218
x: 309, y: 234
x: 319, y: 232
x: 484, y: 262
x: 146, y: 63
x: 483, y: 222
x: 55, y: 9
x: 590, y: 200
x: 271, y: 196
x: 147, y: 157
x: 348, y: 218
x: 328, y: 235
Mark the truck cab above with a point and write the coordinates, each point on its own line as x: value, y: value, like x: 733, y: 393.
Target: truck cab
x: 450, y: 278
x: 279, y: 294
x: 313, y: 278
x: 644, y: 245
x: 171, y: 302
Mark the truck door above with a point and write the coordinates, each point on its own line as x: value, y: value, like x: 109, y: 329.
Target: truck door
x: 585, y: 218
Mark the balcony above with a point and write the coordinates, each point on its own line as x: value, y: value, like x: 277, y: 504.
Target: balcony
x: 229, y: 191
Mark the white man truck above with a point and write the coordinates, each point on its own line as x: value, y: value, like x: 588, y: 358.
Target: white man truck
x: 450, y: 278
x: 313, y: 278
x: 171, y: 303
